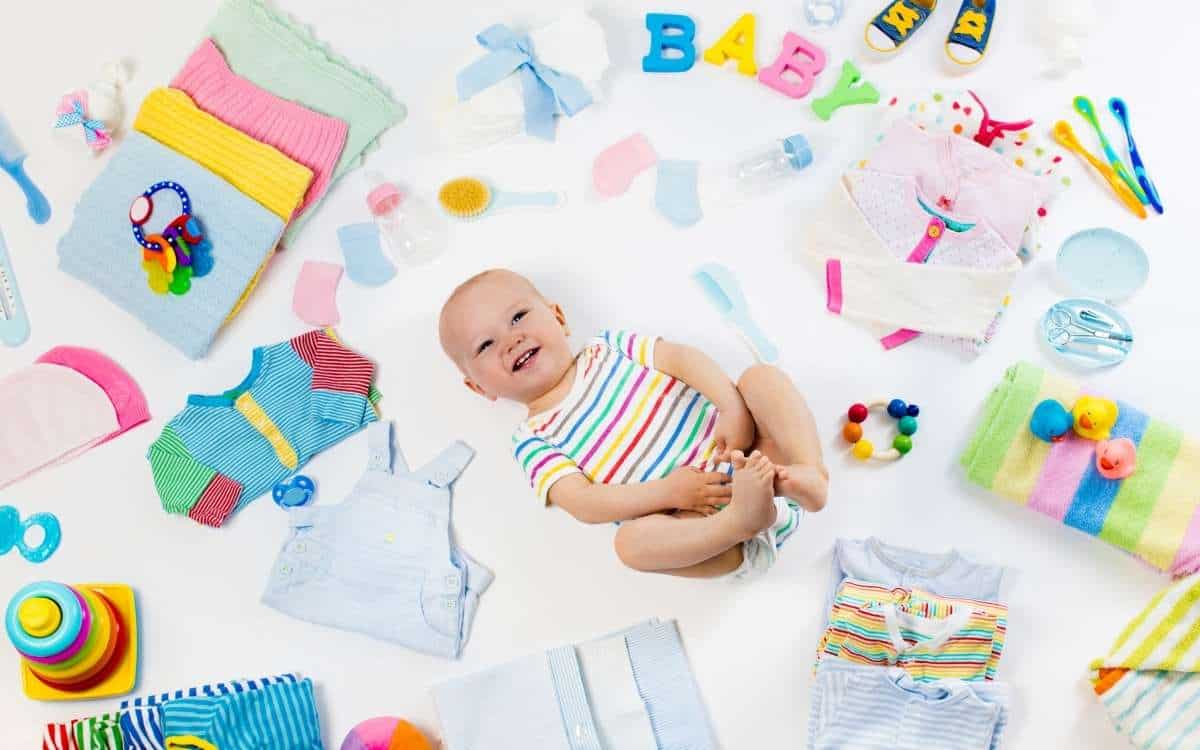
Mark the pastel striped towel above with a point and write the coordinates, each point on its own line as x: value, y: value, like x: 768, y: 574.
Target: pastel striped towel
x: 1153, y: 514
x: 1149, y: 684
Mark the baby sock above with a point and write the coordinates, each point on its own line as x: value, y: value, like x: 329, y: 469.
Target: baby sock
x: 616, y: 166
x: 315, y: 299
x: 362, y: 249
x: 676, y: 194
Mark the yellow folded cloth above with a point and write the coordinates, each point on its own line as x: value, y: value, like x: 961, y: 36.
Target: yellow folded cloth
x: 260, y: 171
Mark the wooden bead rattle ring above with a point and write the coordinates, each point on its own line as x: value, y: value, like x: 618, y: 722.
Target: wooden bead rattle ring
x: 180, y: 252
x: 906, y: 422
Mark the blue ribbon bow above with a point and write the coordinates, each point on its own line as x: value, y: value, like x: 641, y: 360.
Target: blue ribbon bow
x: 93, y: 129
x: 546, y: 91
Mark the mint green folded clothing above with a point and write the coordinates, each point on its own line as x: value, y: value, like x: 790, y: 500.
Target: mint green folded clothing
x: 282, y: 56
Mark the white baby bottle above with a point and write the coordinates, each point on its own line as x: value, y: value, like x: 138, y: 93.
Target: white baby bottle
x: 412, y: 230
x: 771, y: 167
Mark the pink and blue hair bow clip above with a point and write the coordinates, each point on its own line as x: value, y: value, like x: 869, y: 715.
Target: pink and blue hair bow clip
x: 72, y: 110
x: 546, y: 91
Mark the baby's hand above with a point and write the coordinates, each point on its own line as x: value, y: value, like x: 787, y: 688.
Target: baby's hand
x: 734, y: 431
x: 701, y: 491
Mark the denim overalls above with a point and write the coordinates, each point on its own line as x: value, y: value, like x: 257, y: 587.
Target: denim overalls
x: 384, y: 561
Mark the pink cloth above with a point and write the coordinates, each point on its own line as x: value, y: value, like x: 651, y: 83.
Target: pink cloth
x: 961, y: 176
x: 68, y: 401
x: 304, y: 136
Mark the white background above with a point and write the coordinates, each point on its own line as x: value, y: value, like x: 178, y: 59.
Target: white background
x: 612, y: 264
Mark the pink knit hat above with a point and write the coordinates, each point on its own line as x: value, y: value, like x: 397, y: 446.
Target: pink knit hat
x: 69, y: 400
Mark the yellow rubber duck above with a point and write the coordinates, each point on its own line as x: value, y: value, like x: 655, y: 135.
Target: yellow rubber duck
x: 1094, y: 417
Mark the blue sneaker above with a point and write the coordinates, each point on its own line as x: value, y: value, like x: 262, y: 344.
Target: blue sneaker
x: 968, y: 40
x: 897, y: 22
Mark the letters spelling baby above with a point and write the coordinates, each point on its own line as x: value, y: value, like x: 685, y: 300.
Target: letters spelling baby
x: 672, y: 32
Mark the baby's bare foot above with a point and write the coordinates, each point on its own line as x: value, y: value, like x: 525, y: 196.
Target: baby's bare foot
x: 753, y: 503
x: 807, y: 485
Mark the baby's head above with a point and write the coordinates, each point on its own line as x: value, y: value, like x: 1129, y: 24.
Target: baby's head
x: 508, y: 340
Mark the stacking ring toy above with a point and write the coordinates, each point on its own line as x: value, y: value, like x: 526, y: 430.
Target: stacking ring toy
x: 13, y: 531
x: 906, y: 423
x: 385, y: 733
x: 180, y: 252
x: 75, y: 642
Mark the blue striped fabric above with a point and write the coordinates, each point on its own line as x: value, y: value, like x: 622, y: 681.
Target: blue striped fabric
x: 543, y: 701
x: 876, y: 708
x: 665, y: 682
x: 140, y: 720
x: 279, y: 716
x: 573, y: 699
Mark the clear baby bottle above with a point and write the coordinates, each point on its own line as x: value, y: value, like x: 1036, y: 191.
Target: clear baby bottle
x: 824, y: 13
x: 768, y: 168
x: 412, y: 230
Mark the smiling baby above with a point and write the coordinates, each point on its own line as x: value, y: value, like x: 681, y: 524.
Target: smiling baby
x: 642, y: 431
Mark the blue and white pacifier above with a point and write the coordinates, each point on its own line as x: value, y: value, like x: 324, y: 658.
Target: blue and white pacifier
x: 294, y: 492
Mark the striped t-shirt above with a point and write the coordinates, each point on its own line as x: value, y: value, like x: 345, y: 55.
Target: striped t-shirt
x: 928, y: 636
x: 300, y: 397
x: 623, y: 421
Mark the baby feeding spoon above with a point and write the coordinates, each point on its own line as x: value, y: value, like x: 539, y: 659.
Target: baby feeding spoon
x: 1065, y: 136
x: 1087, y: 110
x: 1120, y: 110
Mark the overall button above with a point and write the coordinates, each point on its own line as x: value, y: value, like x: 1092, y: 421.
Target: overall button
x: 935, y: 231
x: 452, y: 582
x: 450, y: 602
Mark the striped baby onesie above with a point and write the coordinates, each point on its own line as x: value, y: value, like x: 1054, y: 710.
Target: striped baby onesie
x: 623, y: 421
x: 886, y: 709
x: 300, y: 397
x: 929, y: 637
x: 279, y: 716
x: 141, y: 718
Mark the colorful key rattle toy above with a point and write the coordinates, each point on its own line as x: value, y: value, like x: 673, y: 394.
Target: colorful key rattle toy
x: 76, y: 642
x: 180, y: 252
x: 906, y: 422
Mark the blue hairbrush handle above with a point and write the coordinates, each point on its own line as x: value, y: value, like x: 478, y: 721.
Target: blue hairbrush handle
x: 35, y: 202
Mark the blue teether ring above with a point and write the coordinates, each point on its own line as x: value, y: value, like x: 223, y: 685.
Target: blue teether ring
x: 143, y: 207
x: 294, y: 492
x: 10, y: 528
x: 59, y: 640
x: 52, y: 531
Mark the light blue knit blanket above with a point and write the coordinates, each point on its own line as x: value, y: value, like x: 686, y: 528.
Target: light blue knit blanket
x: 100, y: 250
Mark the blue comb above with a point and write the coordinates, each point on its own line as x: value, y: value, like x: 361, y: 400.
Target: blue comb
x: 14, y: 323
x: 721, y: 288
x: 12, y: 161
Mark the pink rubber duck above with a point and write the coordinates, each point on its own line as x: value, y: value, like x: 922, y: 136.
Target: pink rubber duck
x: 1116, y: 459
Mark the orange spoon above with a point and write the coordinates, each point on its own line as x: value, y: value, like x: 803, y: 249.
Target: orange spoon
x: 1067, y: 139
